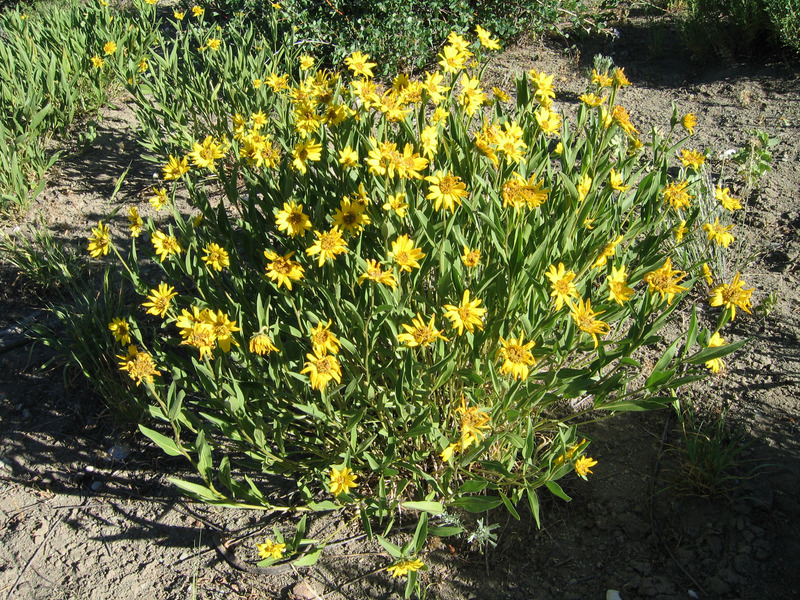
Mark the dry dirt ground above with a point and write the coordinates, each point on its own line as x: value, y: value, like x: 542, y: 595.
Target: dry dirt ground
x: 85, y: 510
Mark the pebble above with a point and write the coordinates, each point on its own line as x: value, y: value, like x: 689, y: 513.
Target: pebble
x: 96, y: 485
x: 119, y: 452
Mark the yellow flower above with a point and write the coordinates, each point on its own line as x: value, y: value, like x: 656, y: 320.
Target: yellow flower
x: 620, y: 116
x: 618, y: 291
x: 563, y: 287
x: 517, y: 357
x: 452, y: 59
x: 121, y: 330
x: 324, y: 340
x: 707, y: 275
x: 592, y: 100
x: 270, y: 549
x: 351, y: 216
x: 433, y: 86
x: 348, y: 157
x: 583, y: 466
x: 139, y: 365
x: 292, y: 219
x: 692, y: 158
x: 216, y: 257
x: 159, y: 300
x: 99, y: 241
x: 676, y: 194
x: 719, y: 233
x: 405, y: 254
x: 198, y: 11
x: 143, y: 65
x: 359, y: 64
x: 584, y: 185
x: 305, y: 151
x: 471, y: 258
x: 466, y: 316
x: 214, y: 43
x: 518, y: 192
x: 730, y: 295
x: 715, y: 364
x: 306, y: 62
x: 446, y: 190
x: 665, y: 280
x: 500, y: 95
x: 222, y: 327
x: 584, y: 318
x: 544, y: 92
x: 549, y: 121
x: 689, y: 121
x: 724, y: 197
x: 97, y: 62
x: 405, y: 566
x: 175, y: 168
x: 680, y: 231
x: 618, y: 77
x: 601, y: 79
x: 471, y: 96
x: 203, y: 155
x: 376, y: 274
x: 277, y: 82
x: 420, y: 334
x: 608, y: 251
x: 109, y: 48
x: 473, y: 422
x: 617, y: 182
x: 328, y: 245
x: 447, y: 453
x: 261, y: 344
x: 283, y: 269
x: 485, y: 38
x: 342, y: 480
x: 397, y: 203
x: 165, y: 245
x: 159, y: 199
x: 135, y: 222
x: 178, y: 15
x: 321, y: 369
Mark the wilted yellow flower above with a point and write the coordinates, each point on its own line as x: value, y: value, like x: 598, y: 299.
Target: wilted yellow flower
x: 584, y: 185
x: 719, y: 233
x: 517, y: 357
x: 342, y: 480
x: 282, y: 269
x: 563, y: 287
x: 473, y: 422
x: 676, y: 194
x: 270, y: 549
x: 724, y: 197
x: 665, y: 280
x: 601, y: 79
x: 135, y: 223
x: 715, y: 364
x: 689, y: 121
x: 99, y: 241
x: 405, y: 254
x: 419, y: 333
x: 405, y: 566
x: 261, y: 344
x: 584, y: 318
x: 518, y: 192
x: 707, y: 275
x: 730, y: 295
x: 466, y: 316
x: 618, y: 77
x: 159, y: 199
x: 159, y: 300
x: 608, y: 251
x: 121, y: 330
x: 139, y: 365
x: 680, y: 231
x: 620, y: 116
x: 583, y: 466
x: 692, y: 158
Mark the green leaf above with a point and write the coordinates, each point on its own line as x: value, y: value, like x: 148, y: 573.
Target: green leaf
x: 556, y: 490
x: 445, y: 531
x: 477, y: 504
x: 391, y: 548
x: 711, y: 353
x: 434, y: 508
x: 310, y: 558
x: 167, y: 445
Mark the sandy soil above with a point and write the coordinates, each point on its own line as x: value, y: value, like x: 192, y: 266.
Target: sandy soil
x: 85, y: 510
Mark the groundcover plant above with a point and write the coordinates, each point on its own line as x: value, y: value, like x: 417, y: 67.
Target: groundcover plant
x: 403, y: 296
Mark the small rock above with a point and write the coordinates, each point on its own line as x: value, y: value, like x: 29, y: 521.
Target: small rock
x: 304, y: 591
x: 96, y: 485
x: 119, y: 452
x: 716, y: 586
